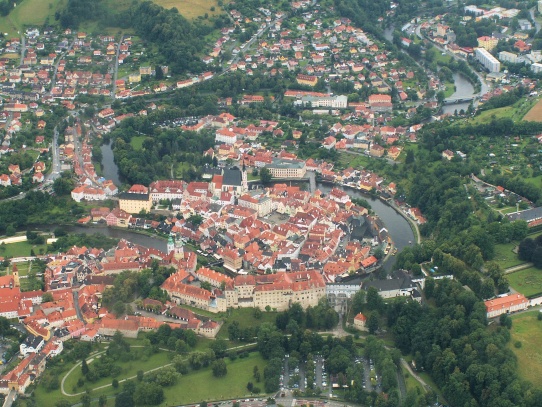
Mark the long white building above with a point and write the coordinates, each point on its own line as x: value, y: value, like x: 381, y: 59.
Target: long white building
x: 487, y: 60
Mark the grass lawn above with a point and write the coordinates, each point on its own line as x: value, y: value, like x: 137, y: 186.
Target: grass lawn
x: 20, y: 249
x: 353, y: 160
x: 245, y: 317
x: 505, y: 256
x: 191, y: 9
x: 411, y: 382
x: 137, y: 142
x: 202, y: 385
x: 450, y: 89
x: 486, y: 116
x: 528, y: 281
x: 528, y: 330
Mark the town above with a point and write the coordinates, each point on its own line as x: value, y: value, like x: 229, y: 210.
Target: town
x: 302, y: 193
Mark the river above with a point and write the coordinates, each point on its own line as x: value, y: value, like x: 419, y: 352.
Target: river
x: 110, y: 169
x: 463, y: 89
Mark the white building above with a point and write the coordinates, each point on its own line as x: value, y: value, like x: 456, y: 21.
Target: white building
x: 536, y: 68
x: 32, y: 344
x: 334, y: 102
x: 506, y: 56
x: 487, y: 60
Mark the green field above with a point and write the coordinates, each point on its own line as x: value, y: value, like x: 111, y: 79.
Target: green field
x: 196, y: 386
x: 528, y: 330
x: 202, y: 385
x: 21, y: 249
x: 528, y: 281
x: 29, y: 13
x: 245, y: 317
x: 137, y: 142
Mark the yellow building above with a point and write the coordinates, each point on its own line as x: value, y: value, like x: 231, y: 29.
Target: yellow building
x: 487, y: 42
x: 134, y: 78
x: 135, y: 203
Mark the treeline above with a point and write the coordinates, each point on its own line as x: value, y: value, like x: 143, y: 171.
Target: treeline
x: 518, y: 185
x: 506, y: 99
x: 98, y: 240
x: 178, y: 40
x: 472, y: 365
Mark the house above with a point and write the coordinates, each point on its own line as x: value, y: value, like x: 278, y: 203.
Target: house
x: 376, y: 150
x: 32, y: 344
x: 448, y: 154
x: 360, y: 321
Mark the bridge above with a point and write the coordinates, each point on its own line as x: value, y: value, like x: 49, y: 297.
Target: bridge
x: 453, y: 101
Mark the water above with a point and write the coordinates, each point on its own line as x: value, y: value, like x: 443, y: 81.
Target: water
x: 463, y: 89
x: 110, y: 169
x: 397, y: 226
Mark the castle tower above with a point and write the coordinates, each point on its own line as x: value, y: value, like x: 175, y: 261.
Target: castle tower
x: 170, y: 245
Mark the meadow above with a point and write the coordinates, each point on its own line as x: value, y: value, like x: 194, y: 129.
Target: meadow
x: 527, y: 330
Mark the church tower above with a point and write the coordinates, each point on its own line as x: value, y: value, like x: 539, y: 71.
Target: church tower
x: 15, y: 274
x: 170, y: 245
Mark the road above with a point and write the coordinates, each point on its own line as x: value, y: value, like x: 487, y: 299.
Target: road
x: 536, y: 23
x: 76, y: 304
x: 55, y: 169
x: 23, y: 48
x: 116, y: 70
x: 518, y: 268
x: 57, y: 63
x: 10, y: 398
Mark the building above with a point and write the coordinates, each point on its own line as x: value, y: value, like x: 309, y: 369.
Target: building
x: 510, y: 57
x: 283, y: 169
x: 332, y: 102
x: 488, y: 43
x: 259, y: 202
x: 487, y: 60
x: 506, y: 305
x: 536, y: 68
x: 166, y: 189
x: 360, y: 321
x: 135, y: 202
x: 525, y: 25
x: 308, y: 80
x: 32, y: 344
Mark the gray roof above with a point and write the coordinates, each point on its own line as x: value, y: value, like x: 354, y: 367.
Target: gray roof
x: 232, y: 177
x: 130, y: 196
x: 527, y: 215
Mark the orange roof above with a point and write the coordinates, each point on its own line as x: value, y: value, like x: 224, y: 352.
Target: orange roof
x: 505, y: 302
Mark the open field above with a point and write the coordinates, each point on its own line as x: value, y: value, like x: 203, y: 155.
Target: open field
x: 535, y: 114
x: 528, y: 330
x: 191, y: 9
x: 29, y: 13
x: 527, y: 281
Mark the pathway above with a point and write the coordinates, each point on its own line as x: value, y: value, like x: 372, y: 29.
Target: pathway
x: 414, y: 375
x: 518, y: 268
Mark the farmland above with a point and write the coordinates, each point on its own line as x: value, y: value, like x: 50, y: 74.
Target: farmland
x: 535, y: 114
x: 192, y: 9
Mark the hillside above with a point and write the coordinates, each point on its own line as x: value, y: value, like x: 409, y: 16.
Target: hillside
x: 41, y: 12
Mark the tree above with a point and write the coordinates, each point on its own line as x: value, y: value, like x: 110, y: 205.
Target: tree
x: 102, y: 401
x: 124, y: 399
x: 537, y: 257
x: 86, y: 400
x: 219, y: 368
x: 265, y: 175
x: 63, y: 185
x: 140, y: 375
x: 47, y: 297
x: 372, y: 323
x: 526, y: 248
x: 84, y: 367
x: 148, y: 394
x: 115, y: 383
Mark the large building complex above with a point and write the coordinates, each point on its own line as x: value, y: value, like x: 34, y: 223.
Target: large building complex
x: 280, y: 168
x: 487, y: 60
x: 277, y: 291
x: 506, y: 305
